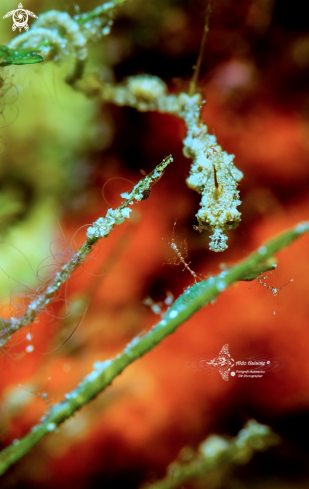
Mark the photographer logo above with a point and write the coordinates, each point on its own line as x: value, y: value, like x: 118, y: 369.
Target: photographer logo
x: 20, y: 18
x: 251, y: 368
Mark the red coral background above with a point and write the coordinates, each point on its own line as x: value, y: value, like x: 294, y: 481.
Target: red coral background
x: 254, y: 78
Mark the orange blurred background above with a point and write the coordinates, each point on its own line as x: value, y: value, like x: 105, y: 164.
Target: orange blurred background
x: 255, y: 79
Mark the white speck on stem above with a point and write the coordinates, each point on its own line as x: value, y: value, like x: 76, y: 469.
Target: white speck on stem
x: 301, y: 228
x: 51, y: 427
x: 221, y: 286
x: 92, y: 376
x: 262, y: 250
x: 173, y: 314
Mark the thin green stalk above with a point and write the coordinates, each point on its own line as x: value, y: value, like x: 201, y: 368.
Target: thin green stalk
x: 192, y: 88
x: 184, y: 307
x: 99, y: 229
x: 101, y: 10
x: 216, y: 453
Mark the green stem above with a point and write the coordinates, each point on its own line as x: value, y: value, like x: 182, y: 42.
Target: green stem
x: 101, y: 10
x: 39, y: 303
x: 217, y: 452
x: 184, y: 307
x: 192, y: 88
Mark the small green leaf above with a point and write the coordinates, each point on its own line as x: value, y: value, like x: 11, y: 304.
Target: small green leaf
x: 18, y: 57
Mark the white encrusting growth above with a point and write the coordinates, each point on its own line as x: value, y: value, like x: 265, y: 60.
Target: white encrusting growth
x: 216, y: 454
x: 213, y: 446
x: 147, y: 87
x: 99, y: 229
x: 47, y: 30
x: 32, y: 39
x: 104, y: 225
x: 61, y: 21
x: 100, y: 366
x: 212, y: 173
x: 55, y: 34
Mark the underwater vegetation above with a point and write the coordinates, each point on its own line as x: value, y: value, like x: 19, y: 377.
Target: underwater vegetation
x: 153, y: 254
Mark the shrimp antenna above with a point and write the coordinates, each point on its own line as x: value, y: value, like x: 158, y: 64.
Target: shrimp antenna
x: 193, y: 83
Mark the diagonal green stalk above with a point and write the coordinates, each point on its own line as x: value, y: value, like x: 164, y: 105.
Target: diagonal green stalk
x: 101, y: 229
x: 184, y: 307
x: 101, y: 10
x: 217, y: 452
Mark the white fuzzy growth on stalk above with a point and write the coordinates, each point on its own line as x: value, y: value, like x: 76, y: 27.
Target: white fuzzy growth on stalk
x: 61, y: 34
x: 99, y: 229
x: 146, y: 87
x: 104, y: 225
x: 212, y: 173
x: 34, y: 37
x: 213, y: 447
x: 47, y: 28
x: 142, y: 92
x: 54, y: 20
x: 96, y: 28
